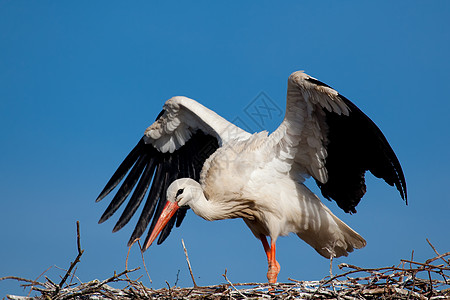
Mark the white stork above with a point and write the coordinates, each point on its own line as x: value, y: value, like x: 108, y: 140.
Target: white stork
x: 196, y: 159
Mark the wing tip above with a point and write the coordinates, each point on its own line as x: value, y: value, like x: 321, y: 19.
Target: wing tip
x: 117, y: 227
x: 100, y: 197
x: 403, y: 191
x: 102, y: 219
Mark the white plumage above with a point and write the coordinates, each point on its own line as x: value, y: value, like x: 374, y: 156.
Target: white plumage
x: 199, y: 160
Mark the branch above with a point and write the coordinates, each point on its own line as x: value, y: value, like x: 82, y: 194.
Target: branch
x: 72, y: 265
x: 229, y: 282
x: 189, y: 264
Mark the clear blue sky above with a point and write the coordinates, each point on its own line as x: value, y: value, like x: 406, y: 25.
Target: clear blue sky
x: 80, y: 82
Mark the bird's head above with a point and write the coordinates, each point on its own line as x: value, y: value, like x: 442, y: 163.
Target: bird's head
x: 184, y: 191
x: 181, y: 192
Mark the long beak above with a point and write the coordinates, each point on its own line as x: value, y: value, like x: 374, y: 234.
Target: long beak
x: 169, y: 210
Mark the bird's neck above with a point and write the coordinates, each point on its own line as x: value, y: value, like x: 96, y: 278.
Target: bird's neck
x: 213, y: 209
x: 208, y: 210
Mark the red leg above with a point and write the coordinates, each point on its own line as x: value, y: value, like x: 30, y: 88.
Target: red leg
x: 274, y: 266
x: 266, y: 246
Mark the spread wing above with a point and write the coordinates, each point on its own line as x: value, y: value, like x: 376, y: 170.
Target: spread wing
x: 175, y: 146
x: 324, y: 135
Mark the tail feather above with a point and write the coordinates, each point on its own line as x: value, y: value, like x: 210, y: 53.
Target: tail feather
x: 333, y: 238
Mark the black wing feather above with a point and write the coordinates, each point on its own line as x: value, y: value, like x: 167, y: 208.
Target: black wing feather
x: 149, y: 166
x: 122, y: 170
x: 138, y: 195
x: 162, y: 198
x: 150, y: 204
x: 125, y: 189
x: 181, y: 213
x: 356, y: 145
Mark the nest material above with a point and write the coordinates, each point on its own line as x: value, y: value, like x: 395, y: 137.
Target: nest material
x: 408, y: 280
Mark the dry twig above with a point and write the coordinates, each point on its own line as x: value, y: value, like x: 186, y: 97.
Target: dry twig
x: 72, y: 264
x: 189, y: 264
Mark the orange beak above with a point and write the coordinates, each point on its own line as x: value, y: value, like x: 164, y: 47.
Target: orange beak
x: 169, y: 210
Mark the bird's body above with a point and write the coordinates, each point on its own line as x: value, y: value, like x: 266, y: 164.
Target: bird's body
x: 234, y: 181
x: 199, y: 160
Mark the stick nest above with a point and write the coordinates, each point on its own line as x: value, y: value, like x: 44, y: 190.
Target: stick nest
x: 408, y: 280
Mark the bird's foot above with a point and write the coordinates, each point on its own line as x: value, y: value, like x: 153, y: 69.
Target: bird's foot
x: 272, y: 274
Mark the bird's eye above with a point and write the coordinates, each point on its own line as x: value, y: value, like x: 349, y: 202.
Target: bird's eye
x: 179, y: 192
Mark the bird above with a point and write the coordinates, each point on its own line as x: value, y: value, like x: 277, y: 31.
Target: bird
x: 191, y: 157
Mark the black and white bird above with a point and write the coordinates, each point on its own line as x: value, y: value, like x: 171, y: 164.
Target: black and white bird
x: 190, y: 157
